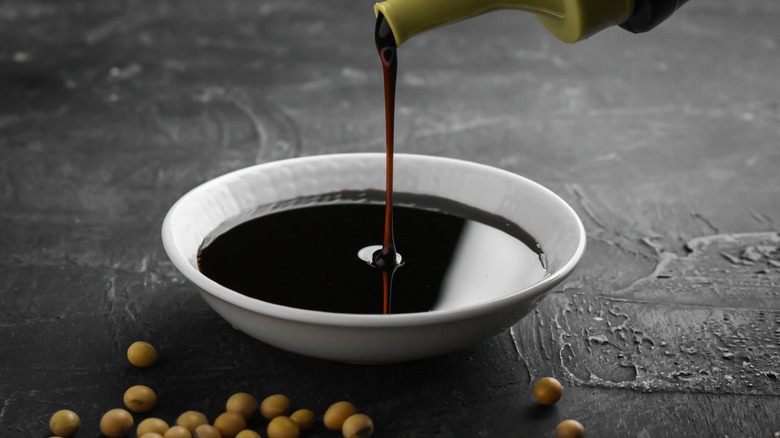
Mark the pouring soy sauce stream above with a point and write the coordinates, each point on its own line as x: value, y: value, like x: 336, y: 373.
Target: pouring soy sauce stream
x: 386, y: 258
x: 386, y: 47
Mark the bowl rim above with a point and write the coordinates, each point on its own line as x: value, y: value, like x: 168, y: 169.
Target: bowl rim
x: 223, y: 293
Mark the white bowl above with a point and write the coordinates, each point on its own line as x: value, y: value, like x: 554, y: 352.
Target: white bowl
x: 225, y: 201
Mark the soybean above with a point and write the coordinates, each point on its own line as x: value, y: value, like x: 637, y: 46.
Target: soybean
x: 548, y: 391
x: 283, y: 427
x: 304, y: 418
x: 191, y: 420
x: 243, y: 403
x: 149, y: 425
x: 358, y: 426
x: 569, y: 429
x: 274, y: 406
x: 116, y: 423
x: 337, y: 413
x: 178, y: 432
x: 206, y: 431
x: 142, y: 354
x: 64, y: 423
x: 229, y: 424
x: 247, y: 433
x: 140, y: 398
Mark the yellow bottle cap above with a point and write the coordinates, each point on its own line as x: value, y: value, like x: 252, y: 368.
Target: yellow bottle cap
x: 569, y: 20
x: 583, y: 18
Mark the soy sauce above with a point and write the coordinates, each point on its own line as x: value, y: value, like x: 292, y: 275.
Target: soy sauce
x: 305, y: 255
x: 386, y: 47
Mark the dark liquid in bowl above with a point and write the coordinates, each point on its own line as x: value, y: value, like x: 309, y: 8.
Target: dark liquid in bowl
x: 306, y: 255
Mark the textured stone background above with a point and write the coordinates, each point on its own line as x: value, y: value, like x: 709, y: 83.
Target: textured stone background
x: 667, y: 144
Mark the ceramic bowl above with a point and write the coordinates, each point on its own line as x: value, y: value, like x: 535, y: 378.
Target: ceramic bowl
x: 356, y: 338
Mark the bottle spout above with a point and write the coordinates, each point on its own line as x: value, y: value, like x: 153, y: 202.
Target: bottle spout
x: 568, y: 20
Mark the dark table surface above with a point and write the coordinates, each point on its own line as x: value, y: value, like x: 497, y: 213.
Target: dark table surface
x: 667, y: 144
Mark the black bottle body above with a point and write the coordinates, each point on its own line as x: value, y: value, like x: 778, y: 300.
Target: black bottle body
x: 650, y: 13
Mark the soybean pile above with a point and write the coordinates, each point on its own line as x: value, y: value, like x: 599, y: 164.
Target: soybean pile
x: 280, y: 420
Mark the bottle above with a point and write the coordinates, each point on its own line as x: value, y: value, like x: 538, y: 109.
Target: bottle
x: 568, y: 20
